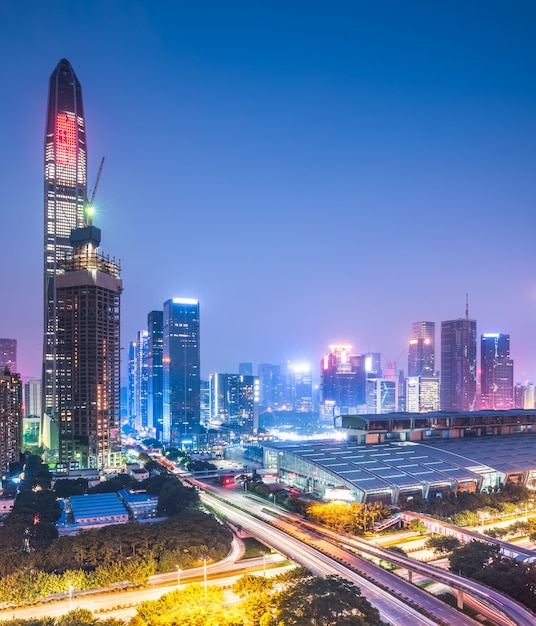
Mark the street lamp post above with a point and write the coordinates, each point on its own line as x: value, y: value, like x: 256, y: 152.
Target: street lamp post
x: 205, y: 576
x: 264, y: 564
x: 178, y: 577
x: 70, y: 598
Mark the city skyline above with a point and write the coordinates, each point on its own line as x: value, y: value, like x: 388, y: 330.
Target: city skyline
x: 310, y: 175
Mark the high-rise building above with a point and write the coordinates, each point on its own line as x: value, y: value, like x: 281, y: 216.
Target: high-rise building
x: 381, y: 395
x: 155, y: 347
x: 88, y: 354
x: 458, y: 364
x: 131, y: 388
x: 497, y: 372
x: 141, y: 382
x: 343, y: 382
x: 64, y: 199
x: 31, y: 421
x: 301, y: 386
x: 181, y: 370
x: 271, y: 386
x: 422, y: 394
x: 234, y: 403
x: 246, y: 369
x: 8, y: 355
x: 10, y: 419
x: 421, y: 353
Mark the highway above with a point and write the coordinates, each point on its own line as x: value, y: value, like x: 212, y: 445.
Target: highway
x: 501, y: 608
x: 302, y: 551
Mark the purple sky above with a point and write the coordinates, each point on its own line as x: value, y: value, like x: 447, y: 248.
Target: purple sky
x: 312, y: 172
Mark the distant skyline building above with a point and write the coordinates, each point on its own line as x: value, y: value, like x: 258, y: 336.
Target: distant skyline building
x: 342, y: 382
x: 458, y: 364
x: 234, y: 403
x: 422, y: 394
x: 8, y: 355
x: 64, y: 201
x: 155, y: 389
x: 140, y: 384
x: 10, y: 419
x: 496, y: 372
x: 271, y: 386
x: 88, y: 352
x: 382, y: 395
x: 181, y: 370
x: 421, y: 353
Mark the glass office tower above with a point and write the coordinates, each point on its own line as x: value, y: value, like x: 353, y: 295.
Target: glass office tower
x: 65, y: 196
x: 181, y: 371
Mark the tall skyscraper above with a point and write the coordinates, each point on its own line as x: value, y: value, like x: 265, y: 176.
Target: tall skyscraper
x: 234, y: 403
x: 343, y: 382
x: 64, y: 200
x: 458, y: 364
x: 138, y: 382
x: 421, y: 353
x: 181, y: 370
x: 88, y: 354
x: 8, y: 355
x: 10, y: 419
x: 271, y: 386
x: 497, y: 372
x: 155, y: 347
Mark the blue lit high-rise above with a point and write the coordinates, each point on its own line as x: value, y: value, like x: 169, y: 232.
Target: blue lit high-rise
x: 181, y: 371
x: 155, y: 346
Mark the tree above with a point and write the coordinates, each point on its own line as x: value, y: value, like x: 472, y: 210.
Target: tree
x: 250, y: 584
x: 442, y: 544
x: 417, y: 526
x: 330, y: 601
x: 65, y: 488
x: 471, y: 558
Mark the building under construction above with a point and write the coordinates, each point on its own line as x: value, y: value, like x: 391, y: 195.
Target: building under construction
x: 88, y: 291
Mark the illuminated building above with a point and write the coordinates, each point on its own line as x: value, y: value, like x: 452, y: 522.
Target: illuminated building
x: 271, y: 386
x: 88, y: 354
x: 234, y: 403
x: 422, y: 394
x: 300, y: 386
x: 10, y: 419
x: 155, y: 347
x: 458, y: 365
x: 421, y: 353
x: 137, y: 384
x: 8, y: 355
x: 497, y: 372
x: 64, y: 200
x: 343, y: 382
x: 181, y: 370
x: 382, y: 395
x: 32, y: 412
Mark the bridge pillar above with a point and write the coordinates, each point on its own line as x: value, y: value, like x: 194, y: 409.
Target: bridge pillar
x: 459, y: 594
x: 410, y: 576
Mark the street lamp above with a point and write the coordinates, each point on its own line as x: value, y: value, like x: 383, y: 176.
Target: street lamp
x: 178, y: 576
x: 264, y: 564
x: 205, y: 575
x: 70, y: 598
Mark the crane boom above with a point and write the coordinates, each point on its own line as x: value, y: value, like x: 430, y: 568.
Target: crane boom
x: 94, y: 190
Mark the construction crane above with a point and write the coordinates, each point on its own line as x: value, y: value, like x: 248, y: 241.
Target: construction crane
x: 89, y: 203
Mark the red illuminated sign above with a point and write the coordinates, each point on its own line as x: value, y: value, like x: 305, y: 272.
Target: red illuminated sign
x: 65, y: 139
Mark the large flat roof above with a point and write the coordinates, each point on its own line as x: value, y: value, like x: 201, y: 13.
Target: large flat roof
x: 376, y: 467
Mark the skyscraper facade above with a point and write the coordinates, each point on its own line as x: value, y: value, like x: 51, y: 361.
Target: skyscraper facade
x: 458, y: 365
x: 497, y: 372
x: 181, y: 370
x: 65, y: 196
x: 234, y: 404
x: 155, y: 347
x: 88, y: 354
x: 10, y: 419
x: 8, y: 355
x: 343, y: 382
x: 421, y: 353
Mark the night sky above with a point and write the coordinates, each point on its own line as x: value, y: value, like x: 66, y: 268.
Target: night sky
x: 311, y: 172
